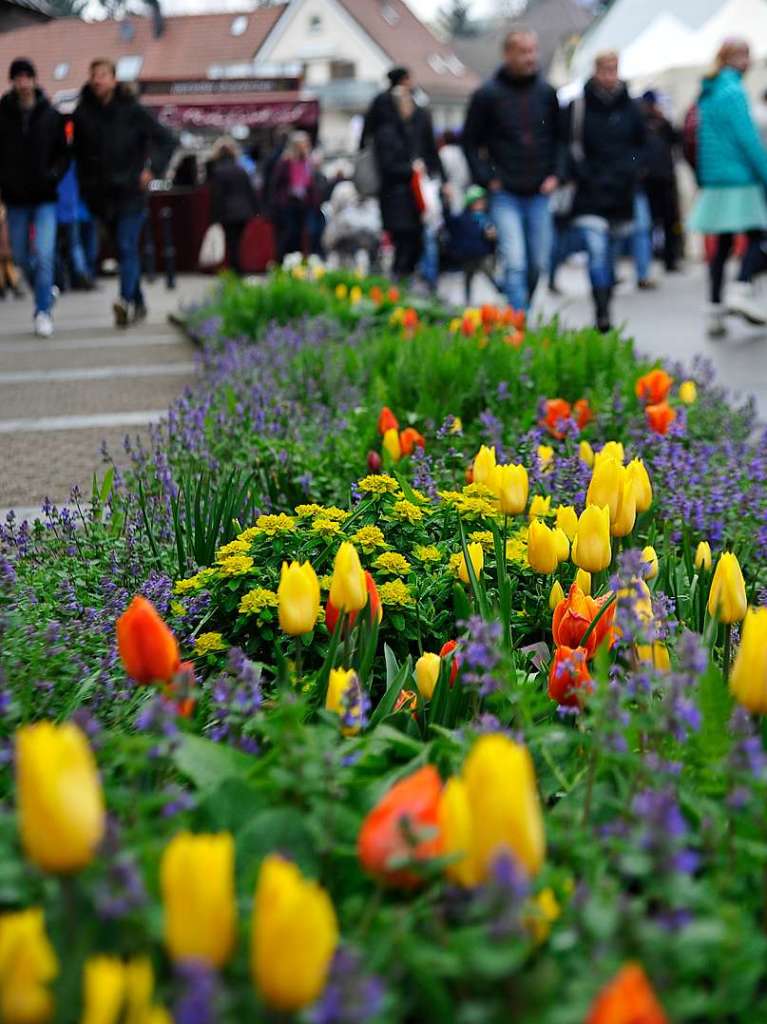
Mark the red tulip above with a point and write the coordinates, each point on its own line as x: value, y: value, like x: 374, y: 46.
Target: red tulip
x: 376, y: 295
x: 583, y: 412
x: 660, y: 417
x: 409, y: 438
x: 393, y: 294
x: 410, y: 320
x: 573, y: 616
x: 148, y: 649
x: 374, y: 462
x: 387, y: 421
x: 404, y: 824
x: 569, y: 673
x: 374, y: 604
x: 556, y: 410
x: 447, y: 648
x: 627, y: 999
x: 653, y: 387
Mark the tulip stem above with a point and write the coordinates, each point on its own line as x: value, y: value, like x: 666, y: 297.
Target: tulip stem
x: 727, y: 654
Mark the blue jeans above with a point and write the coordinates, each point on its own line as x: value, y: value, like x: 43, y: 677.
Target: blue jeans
x: 127, y: 236
x: 83, y: 245
x: 641, y: 240
x: 523, y: 226
x: 37, y: 261
x: 600, y: 244
x: 429, y: 265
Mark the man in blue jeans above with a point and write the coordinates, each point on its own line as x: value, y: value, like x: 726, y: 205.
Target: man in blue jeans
x: 515, y: 141
x: 119, y: 148
x: 33, y: 158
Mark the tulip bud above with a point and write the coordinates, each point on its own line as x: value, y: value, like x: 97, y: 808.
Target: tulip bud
x: 626, y: 512
x: 727, y: 596
x: 569, y: 673
x: 642, y: 486
x: 660, y: 417
x: 348, y: 586
x: 392, y: 445
x: 103, y: 990
x: 605, y: 486
x: 455, y: 826
x: 655, y: 654
x: 374, y: 462
x: 510, y: 484
x: 610, y: 450
x: 374, y: 606
x: 626, y: 998
x: 427, y: 673
x: 556, y: 595
x: 567, y: 520
x: 688, y: 392
x: 355, y: 295
x: 344, y: 698
x: 703, y: 556
x: 506, y: 813
x: 294, y: 936
x: 654, y: 387
x: 586, y: 453
x: 650, y: 559
x: 477, y: 557
x: 748, y: 679
x: 148, y: 649
x: 541, y: 547
x: 562, y: 544
x: 298, y: 598
x: 445, y: 651
x: 484, y: 466
x: 539, y: 507
x: 28, y: 965
x: 545, y: 454
x: 583, y: 580
x: 591, y: 547
x: 60, y: 803
x: 197, y: 883
x: 410, y: 439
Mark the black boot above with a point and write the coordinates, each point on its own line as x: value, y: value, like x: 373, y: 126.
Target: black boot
x: 602, y: 308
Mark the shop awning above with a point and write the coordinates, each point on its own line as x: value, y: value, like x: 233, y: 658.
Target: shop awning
x: 222, y: 112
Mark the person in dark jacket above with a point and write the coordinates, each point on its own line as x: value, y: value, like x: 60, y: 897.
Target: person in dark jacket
x: 293, y: 194
x: 660, y: 176
x: 606, y: 173
x: 119, y: 148
x: 515, y: 141
x: 404, y: 144
x: 33, y: 159
x: 233, y: 199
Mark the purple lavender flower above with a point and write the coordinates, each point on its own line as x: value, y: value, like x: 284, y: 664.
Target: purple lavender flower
x: 351, y: 996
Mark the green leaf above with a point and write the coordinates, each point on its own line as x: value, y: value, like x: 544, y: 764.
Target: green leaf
x: 280, y: 829
x: 207, y: 764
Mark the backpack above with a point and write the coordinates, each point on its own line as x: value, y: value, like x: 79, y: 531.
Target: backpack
x: 690, y: 136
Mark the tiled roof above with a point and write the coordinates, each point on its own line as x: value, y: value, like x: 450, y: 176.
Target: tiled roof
x: 406, y: 40
x: 187, y: 48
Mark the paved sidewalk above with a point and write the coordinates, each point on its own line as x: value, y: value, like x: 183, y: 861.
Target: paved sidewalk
x: 61, y: 397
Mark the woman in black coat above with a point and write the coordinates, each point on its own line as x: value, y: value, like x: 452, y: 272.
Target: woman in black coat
x: 403, y: 140
x: 233, y: 199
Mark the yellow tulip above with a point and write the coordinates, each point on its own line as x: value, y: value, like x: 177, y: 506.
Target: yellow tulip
x: 583, y: 579
x: 556, y: 595
x: 505, y: 810
x: 539, y: 507
x: 567, y: 520
x: 343, y: 703
x: 545, y: 455
x: 511, y: 486
x: 456, y: 829
x: 586, y: 453
x: 28, y: 965
x: 197, y: 883
x: 605, y: 486
x: 591, y: 547
x: 748, y: 679
x: 60, y: 803
x: 562, y: 543
x: 655, y: 654
x: 544, y: 912
x: 688, y: 392
x: 355, y: 295
x: 542, y: 555
x: 427, y: 673
x: 727, y: 596
x: 610, y: 450
x: 484, y: 466
x: 348, y: 586
x: 477, y: 558
x: 341, y: 291
x: 139, y: 988
x: 392, y: 445
x: 650, y: 559
x: 103, y: 990
x: 626, y: 510
x: 642, y: 486
x: 298, y: 598
x: 295, y: 933
x: 703, y: 556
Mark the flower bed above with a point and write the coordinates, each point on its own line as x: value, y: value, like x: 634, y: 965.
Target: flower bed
x: 439, y: 701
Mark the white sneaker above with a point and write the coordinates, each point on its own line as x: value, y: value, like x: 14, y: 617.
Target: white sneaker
x: 741, y: 299
x: 43, y: 325
x: 716, y: 326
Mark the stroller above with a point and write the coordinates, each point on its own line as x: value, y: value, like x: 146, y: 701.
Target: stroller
x: 352, y: 236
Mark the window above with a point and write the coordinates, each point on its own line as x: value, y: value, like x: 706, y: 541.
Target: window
x: 342, y: 70
x: 456, y: 65
x: 437, y: 63
x: 61, y: 71
x: 390, y: 15
x: 315, y: 24
x: 239, y: 25
x: 127, y: 31
x: 129, y: 68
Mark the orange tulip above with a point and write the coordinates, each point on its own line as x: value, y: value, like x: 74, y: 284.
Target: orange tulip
x: 660, y: 417
x: 583, y: 412
x: 447, y: 648
x: 376, y: 295
x: 409, y: 438
x: 573, y: 616
x: 393, y: 294
x: 653, y: 387
x: 555, y: 410
x: 148, y: 649
x: 404, y: 825
x: 569, y: 673
x: 410, y: 320
x: 374, y: 604
x: 387, y: 421
x: 627, y: 999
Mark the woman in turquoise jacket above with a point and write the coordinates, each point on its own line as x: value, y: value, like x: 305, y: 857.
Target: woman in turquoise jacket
x: 732, y: 172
